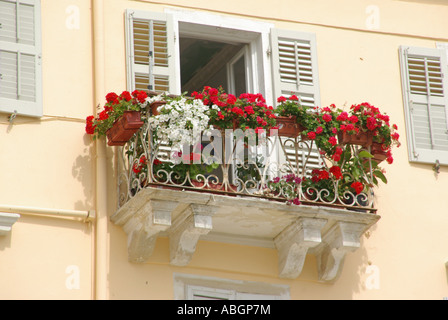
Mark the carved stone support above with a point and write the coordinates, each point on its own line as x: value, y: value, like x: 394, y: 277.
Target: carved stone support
x: 6, y: 222
x: 341, y: 238
x: 194, y: 221
x: 144, y: 226
x: 294, y: 242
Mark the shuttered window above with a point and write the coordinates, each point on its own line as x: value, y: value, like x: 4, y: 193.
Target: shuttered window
x: 424, y: 73
x: 150, y: 51
x: 20, y: 57
x: 295, y: 72
x: 294, y: 58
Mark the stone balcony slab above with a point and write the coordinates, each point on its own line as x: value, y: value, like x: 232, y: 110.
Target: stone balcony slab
x: 188, y: 216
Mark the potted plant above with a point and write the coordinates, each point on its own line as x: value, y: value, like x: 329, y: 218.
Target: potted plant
x: 286, y: 186
x: 120, y: 117
x: 179, y: 120
x: 292, y: 117
x: 311, y: 123
x: 366, y: 118
x: 248, y: 111
x: 220, y: 106
x: 252, y: 112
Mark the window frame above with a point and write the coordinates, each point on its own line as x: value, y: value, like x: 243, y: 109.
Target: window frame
x: 24, y: 107
x: 254, y: 34
x: 186, y: 286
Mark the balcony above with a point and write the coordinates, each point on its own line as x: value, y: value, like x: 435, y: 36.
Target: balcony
x: 272, y: 188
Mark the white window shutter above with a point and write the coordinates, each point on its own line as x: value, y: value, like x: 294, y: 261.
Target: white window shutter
x: 20, y: 57
x: 424, y: 77
x: 295, y: 72
x: 294, y: 61
x: 150, y: 44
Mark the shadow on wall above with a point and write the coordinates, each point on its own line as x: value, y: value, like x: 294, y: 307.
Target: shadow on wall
x: 5, y: 241
x: 83, y: 170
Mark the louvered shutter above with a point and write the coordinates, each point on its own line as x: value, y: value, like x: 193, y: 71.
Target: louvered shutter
x: 295, y: 72
x: 294, y: 59
x: 150, y: 52
x: 426, y: 102
x: 20, y: 57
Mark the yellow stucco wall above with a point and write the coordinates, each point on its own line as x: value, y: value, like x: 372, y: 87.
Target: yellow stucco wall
x: 50, y: 162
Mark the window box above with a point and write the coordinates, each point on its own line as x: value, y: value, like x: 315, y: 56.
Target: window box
x: 288, y: 127
x: 363, y: 139
x: 124, y: 128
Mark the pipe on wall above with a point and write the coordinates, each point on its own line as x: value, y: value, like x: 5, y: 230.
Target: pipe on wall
x: 86, y: 216
x: 100, y: 237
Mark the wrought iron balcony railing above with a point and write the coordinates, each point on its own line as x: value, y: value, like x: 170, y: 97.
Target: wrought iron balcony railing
x: 288, y: 169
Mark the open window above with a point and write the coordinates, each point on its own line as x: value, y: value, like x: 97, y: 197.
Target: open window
x: 211, y: 63
x: 179, y: 51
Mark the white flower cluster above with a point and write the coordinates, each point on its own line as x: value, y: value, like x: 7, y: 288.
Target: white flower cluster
x: 160, y: 97
x: 180, y: 122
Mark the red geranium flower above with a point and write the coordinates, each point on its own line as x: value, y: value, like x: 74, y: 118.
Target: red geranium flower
x: 90, y: 127
x: 336, y: 171
x: 358, y: 186
x: 281, y: 99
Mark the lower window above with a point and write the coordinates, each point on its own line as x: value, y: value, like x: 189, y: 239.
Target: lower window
x: 191, y: 287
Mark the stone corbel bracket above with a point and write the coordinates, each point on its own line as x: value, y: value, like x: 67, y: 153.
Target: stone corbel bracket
x: 294, y: 242
x: 194, y: 221
x: 6, y: 222
x: 144, y: 226
x: 342, y: 238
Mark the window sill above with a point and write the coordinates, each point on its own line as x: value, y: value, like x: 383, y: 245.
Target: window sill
x: 295, y: 231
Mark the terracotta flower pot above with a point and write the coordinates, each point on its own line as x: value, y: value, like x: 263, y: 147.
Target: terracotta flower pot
x: 363, y: 139
x: 124, y: 128
x: 154, y: 107
x: 378, y: 153
x: 288, y: 127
